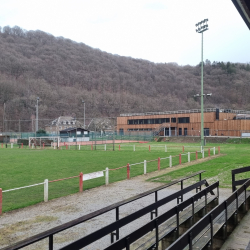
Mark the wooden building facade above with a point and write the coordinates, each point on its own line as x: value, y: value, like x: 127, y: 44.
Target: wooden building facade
x: 217, y: 122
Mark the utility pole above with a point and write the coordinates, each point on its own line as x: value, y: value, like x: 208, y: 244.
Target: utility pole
x: 37, y: 100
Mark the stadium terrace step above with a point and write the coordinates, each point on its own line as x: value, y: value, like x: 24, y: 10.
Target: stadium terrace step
x: 148, y: 241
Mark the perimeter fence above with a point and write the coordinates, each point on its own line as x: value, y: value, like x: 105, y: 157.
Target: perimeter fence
x: 31, y: 194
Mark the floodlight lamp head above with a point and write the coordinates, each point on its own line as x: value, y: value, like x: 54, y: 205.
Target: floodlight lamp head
x: 37, y: 98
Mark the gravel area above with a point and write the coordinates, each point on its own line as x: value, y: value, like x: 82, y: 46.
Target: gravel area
x: 22, y: 223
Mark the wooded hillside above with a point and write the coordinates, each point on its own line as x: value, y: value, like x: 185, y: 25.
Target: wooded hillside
x: 62, y: 73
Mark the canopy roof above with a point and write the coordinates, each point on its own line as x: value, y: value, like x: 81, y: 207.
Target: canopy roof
x: 243, y: 7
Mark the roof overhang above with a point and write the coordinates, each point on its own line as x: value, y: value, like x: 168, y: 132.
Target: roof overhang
x: 243, y: 7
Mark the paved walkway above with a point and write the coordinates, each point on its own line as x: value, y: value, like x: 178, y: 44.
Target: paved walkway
x: 240, y: 237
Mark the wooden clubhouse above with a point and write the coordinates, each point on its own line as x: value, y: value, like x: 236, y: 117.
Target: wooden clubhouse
x: 217, y: 122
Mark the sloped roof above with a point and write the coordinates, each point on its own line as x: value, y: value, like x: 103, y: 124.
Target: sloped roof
x: 243, y: 7
x: 72, y: 129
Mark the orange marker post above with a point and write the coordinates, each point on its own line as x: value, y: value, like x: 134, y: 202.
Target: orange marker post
x: 128, y: 171
x: 80, y: 182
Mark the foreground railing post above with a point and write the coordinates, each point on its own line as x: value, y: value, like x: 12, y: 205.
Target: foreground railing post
x: 116, y: 233
x: 46, y: 190
x: 209, y: 152
x: 180, y: 159
x: 170, y: 161
x: 81, y: 182
x: 190, y: 241
x: 188, y: 156
x: 214, y: 150
x: 218, y: 149
x: 51, y: 242
x: 211, y: 229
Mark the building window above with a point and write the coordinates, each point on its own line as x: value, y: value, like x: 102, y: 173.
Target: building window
x: 173, y: 119
x: 183, y: 120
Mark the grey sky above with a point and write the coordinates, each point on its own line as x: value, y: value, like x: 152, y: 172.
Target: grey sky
x: 155, y: 30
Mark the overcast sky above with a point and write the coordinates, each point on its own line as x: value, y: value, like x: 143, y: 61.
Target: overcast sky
x: 155, y: 30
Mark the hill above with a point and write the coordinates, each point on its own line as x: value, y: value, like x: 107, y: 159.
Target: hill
x: 63, y: 73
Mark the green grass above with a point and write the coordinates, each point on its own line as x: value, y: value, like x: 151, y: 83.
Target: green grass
x: 233, y: 156
x: 22, y: 167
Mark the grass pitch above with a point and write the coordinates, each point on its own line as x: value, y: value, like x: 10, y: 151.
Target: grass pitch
x: 23, y: 167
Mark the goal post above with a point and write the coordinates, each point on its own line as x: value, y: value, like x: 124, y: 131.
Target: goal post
x: 47, y: 141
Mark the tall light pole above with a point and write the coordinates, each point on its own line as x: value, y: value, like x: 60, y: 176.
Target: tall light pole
x: 37, y: 99
x: 83, y: 114
x: 201, y: 27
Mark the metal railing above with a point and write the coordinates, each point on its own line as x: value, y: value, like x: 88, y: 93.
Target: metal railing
x: 119, y: 222
x: 155, y: 223
x: 207, y: 221
x: 239, y: 182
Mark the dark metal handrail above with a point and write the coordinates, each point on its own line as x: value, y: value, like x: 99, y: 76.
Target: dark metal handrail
x: 154, y: 224
x: 186, y: 239
x: 126, y: 220
x: 239, y: 182
x: 49, y: 233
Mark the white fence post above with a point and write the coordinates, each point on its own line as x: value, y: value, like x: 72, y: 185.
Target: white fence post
x: 170, y: 161
x: 46, y: 190
x: 166, y: 150
x: 145, y: 166
x: 134, y: 147
x: 214, y: 150
x: 188, y: 156
x: 11, y: 145
x: 79, y: 147
x: 32, y: 145
x: 107, y: 176
x: 202, y: 153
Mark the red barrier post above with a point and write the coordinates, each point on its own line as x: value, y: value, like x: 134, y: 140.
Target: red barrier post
x: 43, y: 145
x: 209, y: 152
x: 119, y: 147
x: 22, y: 145
x: 2, y: 145
x: 183, y: 149
x: 1, y: 200
x: 179, y: 158
x: 91, y: 146
x: 218, y: 149
x: 159, y: 163
x: 64, y: 143
x: 196, y: 155
x: 128, y: 171
x: 66, y: 146
x: 149, y: 148
x: 81, y: 182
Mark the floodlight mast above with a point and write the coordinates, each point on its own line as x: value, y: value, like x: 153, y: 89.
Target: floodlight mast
x: 202, y: 27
